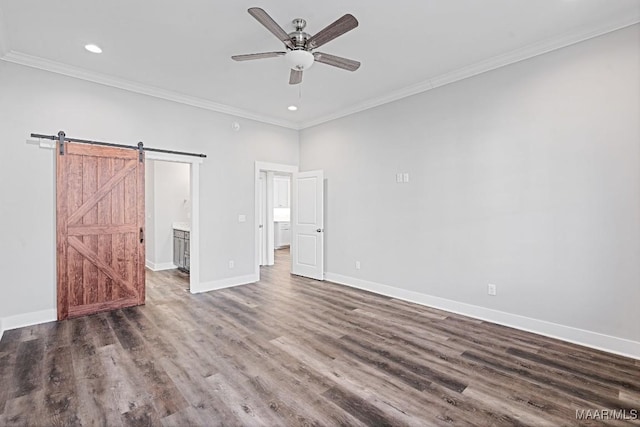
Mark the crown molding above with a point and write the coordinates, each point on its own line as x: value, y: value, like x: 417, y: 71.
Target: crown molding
x: 95, y: 77
x: 521, y: 54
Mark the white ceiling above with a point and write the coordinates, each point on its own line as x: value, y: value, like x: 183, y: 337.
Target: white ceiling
x: 181, y: 50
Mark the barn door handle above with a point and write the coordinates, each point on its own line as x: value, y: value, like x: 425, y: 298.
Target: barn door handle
x: 141, y: 235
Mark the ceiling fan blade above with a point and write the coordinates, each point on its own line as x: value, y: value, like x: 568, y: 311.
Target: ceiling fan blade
x: 251, y: 56
x: 336, y: 61
x: 271, y: 25
x: 338, y: 28
x: 295, y: 77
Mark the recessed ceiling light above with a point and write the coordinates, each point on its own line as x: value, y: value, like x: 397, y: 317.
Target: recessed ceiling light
x: 292, y: 108
x: 93, y: 48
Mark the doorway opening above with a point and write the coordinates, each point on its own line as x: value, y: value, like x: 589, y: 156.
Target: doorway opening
x: 172, y: 199
x: 275, y: 215
x: 273, y: 204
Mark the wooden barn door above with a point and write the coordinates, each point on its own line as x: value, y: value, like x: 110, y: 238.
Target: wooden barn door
x: 100, y: 229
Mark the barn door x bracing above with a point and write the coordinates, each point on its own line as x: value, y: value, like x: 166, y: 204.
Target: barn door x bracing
x: 100, y: 229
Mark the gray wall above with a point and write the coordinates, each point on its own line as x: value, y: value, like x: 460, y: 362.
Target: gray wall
x: 169, y: 184
x: 37, y: 101
x: 527, y: 177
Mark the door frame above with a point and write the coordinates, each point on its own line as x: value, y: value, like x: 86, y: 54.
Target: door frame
x: 262, y: 219
x: 194, y: 176
x: 266, y: 167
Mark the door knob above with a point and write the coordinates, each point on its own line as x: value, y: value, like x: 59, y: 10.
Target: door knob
x: 319, y: 230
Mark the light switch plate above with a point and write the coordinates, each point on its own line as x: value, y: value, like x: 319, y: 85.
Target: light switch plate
x: 398, y: 177
x: 405, y: 177
x: 242, y: 218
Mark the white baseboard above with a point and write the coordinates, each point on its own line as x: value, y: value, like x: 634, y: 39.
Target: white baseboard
x: 611, y: 344
x: 27, y: 319
x: 224, y: 283
x: 159, y: 266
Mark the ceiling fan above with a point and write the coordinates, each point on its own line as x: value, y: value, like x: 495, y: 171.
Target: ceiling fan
x: 300, y: 45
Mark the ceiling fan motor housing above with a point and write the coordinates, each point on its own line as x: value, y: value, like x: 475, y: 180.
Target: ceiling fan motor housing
x: 299, y: 37
x: 299, y: 58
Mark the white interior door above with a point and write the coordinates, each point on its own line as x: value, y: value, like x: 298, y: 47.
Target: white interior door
x: 307, y: 224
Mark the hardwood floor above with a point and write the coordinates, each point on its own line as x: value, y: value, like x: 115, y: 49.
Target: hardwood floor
x: 293, y: 351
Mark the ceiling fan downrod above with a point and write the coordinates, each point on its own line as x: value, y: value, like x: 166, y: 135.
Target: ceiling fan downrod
x: 299, y: 37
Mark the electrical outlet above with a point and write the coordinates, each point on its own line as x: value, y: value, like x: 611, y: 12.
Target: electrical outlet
x: 357, y: 265
x: 242, y: 218
x: 492, y: 289
x: 231, y: 264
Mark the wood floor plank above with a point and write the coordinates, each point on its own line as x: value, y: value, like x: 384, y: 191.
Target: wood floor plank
x: 188, y: 351
x: 297, y: 382
x: 60, y: 395
x: 141, y: 416
x: 101, y: 330
x: 359, y: 408
x: 239, y: 399
x: 25, y: 410
x: 198, y: 393
x: 8, y: 354
x: 190, y: 417
x: 352, y: 375
x: 95, y: 404
x: 166, y: 398
x: 288, y: 350
x: 124, y: 380
x: 28, y: 370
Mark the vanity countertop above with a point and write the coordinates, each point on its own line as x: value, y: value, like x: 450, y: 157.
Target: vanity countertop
x: 183, y: 226
x: 281, y: 215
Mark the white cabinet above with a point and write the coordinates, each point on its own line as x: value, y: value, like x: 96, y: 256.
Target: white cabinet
x: 282, y: 234
x: 281, y: 193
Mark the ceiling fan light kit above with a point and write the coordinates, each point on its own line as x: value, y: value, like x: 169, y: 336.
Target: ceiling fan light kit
x: 299, y: 59
x: 299, y: 45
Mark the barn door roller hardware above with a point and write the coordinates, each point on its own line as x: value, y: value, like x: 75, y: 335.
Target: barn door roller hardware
x: 62, y: 139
